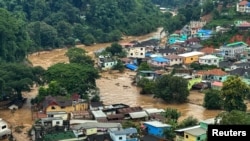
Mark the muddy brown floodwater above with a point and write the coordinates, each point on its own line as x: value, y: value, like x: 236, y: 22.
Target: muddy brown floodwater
x: 118, y: 88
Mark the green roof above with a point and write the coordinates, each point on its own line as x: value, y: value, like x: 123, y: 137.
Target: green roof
x: 236, y: 44
x: 59, y: 136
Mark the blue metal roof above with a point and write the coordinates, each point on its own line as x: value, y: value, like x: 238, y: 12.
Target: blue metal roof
x: 131, y: 67
x: 160, y: 59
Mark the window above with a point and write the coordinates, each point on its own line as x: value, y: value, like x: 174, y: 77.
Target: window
x: 3, y: 127
x: 131, y: 54
x: 215, y: 61
x: 141, y: 53
x: 120, y: 138
x: 186, y: 136
x: 198, y: 138
x: 57, y: 122
x: 175, y: 59
x: 141, y: 48
x: 62, y: 107
x: 50, y: 115
x: 191, y: 58
x: 53, y: 108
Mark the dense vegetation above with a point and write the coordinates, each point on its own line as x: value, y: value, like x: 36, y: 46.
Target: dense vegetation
x: 48, y: 24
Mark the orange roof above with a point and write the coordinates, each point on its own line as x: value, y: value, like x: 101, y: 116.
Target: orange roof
x: 217, y: 72
x: 208, y: 50
x: 216, y: 83
x: 244, y: 2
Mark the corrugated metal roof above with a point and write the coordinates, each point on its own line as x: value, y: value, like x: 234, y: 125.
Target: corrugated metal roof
x: 157, y: 124
x: 196, y: 131
x: 124, y: 131
x: 98, y: 114
x: 140, y: 114
x: 153, y: 110
x: 88, y: 125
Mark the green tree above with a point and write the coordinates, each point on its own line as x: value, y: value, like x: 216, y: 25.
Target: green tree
x: 79, y: 56
x: 233, y: 93
x: 171, y: 88
x: 18, y: 78
x: 114, y: 49
x: 188, y: 122
x: 233, y: 117
x: 212, y: 99
x: 172, y: 114
x: 144, y: 67
x: 75, y: 78
x: 146, y: 85
x: 119, y: 66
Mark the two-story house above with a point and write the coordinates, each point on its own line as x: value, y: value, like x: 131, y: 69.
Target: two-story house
x: 106, y: 62
x: 174, y: 59
x: 191, y: 57
x: 243, y: 6
x: 4, y: 130
x: 62, y: 103
x: 209, y: 60
x: 233, y: 50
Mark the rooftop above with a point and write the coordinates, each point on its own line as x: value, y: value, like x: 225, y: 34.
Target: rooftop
x: 160, y: 59
x: 98, y: 114
x: 189, y: 54
x: 217, y: 72
x: 59, y: 136
x: 157, y: 124
x: 196, y: 131
x: 124, y: 131
x: 236, y: 44
x: 154, y: 110
x: 139, y: 114
x: 208, y: 50
x: 88, y: 125
x: 187, y: 128
x: 209, y: 57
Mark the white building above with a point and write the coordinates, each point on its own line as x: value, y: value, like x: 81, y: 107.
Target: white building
x: 136, y: 52
x: 209, y: 60
x: 233, y: 49
x: 4, y: 130
x: 243, y: 6
x: 106, y: 62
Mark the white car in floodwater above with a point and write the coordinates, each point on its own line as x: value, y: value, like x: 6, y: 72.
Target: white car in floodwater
x: 4, y: 130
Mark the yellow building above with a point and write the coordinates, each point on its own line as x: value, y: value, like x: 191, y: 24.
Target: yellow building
x: 59, y: 103
x: 191, y: 57
x: 196, y: 134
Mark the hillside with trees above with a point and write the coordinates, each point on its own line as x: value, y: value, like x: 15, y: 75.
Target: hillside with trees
x: 47, y: 24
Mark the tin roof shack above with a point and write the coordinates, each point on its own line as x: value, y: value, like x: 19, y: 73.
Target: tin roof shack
x: 127, y: 111
x: 4, y: 130
x: 99, y: 115
x: 141, y: 115
x: 91, y: 128
x: 113, y: 109
x: 81, y: 115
